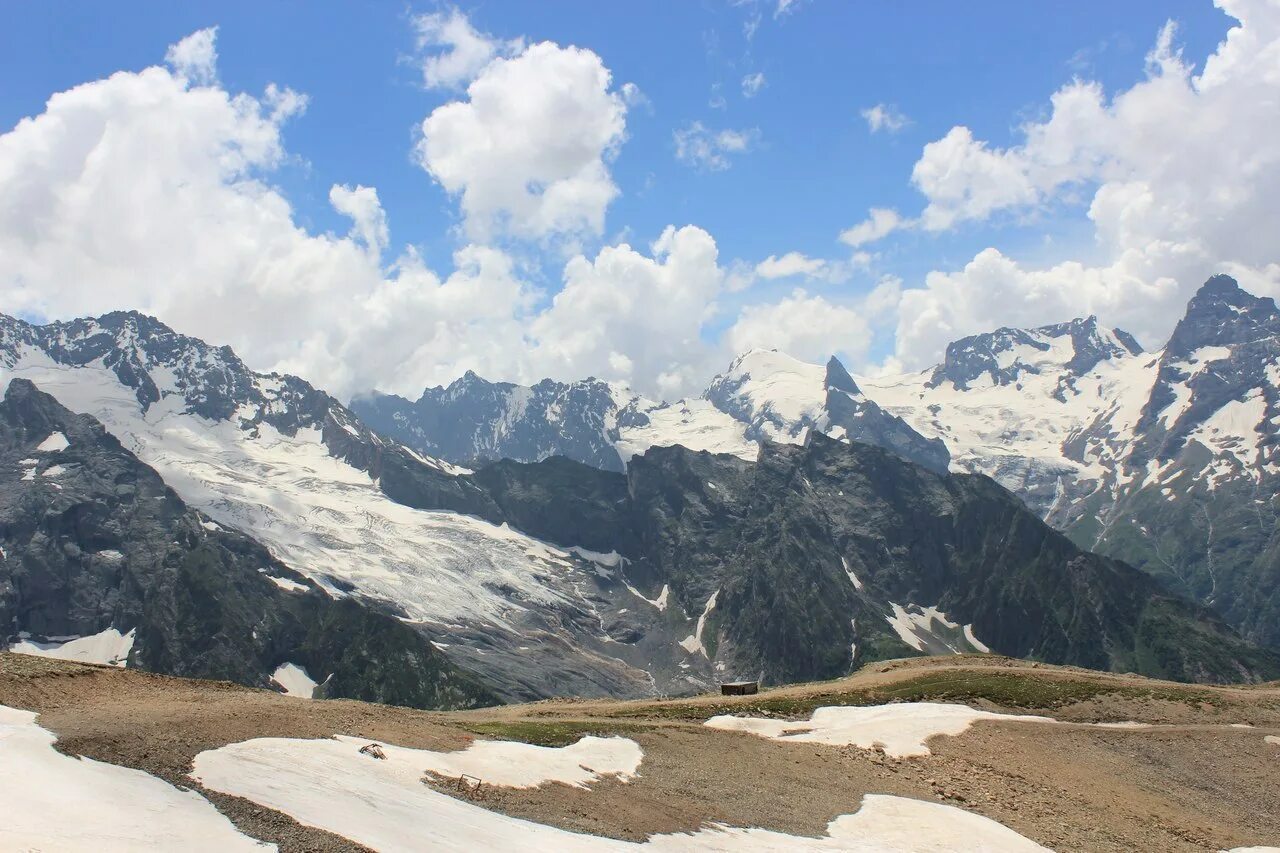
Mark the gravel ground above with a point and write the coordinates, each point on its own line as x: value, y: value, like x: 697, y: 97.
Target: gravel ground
x: 1196, y: 785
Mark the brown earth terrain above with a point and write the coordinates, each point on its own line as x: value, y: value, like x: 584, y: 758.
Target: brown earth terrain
x: 1198, y: 781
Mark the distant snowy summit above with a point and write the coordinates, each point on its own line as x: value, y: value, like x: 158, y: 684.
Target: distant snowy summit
x: 764, y: 395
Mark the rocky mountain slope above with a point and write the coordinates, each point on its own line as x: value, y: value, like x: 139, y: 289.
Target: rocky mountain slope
x: 560, y: 578
x: 1164, y: 459
x: 97, y: 549
x: 1190, y: 478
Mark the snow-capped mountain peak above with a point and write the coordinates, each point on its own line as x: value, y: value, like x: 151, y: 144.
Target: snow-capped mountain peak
x: 1007, y: 355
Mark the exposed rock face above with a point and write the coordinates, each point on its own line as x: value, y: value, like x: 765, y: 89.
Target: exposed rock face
x: 1189, y: 491
x: 93, y: 539
x: 1166, y: 460
x: 808, y: 554
x: 1006, y: 355
x: 476, y: 420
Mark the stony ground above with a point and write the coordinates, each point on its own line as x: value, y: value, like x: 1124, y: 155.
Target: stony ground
x: 1196, y: 783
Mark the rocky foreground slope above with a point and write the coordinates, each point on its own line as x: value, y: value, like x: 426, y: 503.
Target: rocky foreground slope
x: 1132, y: 764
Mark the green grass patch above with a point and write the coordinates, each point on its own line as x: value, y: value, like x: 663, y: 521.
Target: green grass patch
x: 552, y: 733
x: 1008, y: 690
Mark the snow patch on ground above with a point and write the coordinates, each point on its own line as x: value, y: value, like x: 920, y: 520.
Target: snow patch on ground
x: 1272, y: 739
x: 288, y: 585
x: 295, y: 680
x: 108, y: 647
x: 55, y: 802
x: 901, y: 729
x: 54, y: 443
x: 382, y: 804
x: 929, y: 630
x: 853, y: 579
x: 521, y: 765
x: 693, y: 643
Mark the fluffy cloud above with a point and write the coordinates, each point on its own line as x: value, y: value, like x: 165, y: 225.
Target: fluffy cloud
x: 369, y: 221
x: 195, y: 57
x: 752, y: 84
x: 880, y: 223
x: 455, y: 51
x: 808, y: 327
x: 885, y: 117
x: 1181, y: 177
x: 703, y: 148
x: 527, y: 153
x: 641, y: 317
x: 146, y: 191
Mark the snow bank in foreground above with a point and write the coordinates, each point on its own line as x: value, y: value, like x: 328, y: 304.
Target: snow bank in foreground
x: 108, y: 647
x: 523, y: 765
x: 52, y: 801
x: 383, y: 804
x: 901, y: 729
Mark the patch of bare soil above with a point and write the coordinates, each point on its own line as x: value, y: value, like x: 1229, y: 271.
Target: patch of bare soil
x: 1193, y: 784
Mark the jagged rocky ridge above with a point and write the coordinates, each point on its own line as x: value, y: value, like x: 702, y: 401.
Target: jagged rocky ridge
x: 763, y: 396
x: 1165, y: 459
x: 94, y: 540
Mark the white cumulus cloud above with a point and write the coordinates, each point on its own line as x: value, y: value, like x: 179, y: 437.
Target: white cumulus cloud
x: 752, y: 84
x: 196, y: 57
x: 528, y: 151
x: 880, y: 223
x: 455, y: 51
x: 1179, y: 173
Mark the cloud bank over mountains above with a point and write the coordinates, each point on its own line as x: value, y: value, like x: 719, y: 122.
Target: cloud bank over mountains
x: 154, y: 190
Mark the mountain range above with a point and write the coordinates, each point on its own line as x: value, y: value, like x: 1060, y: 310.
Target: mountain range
x: 1163, y: 459
x: 491, y: 541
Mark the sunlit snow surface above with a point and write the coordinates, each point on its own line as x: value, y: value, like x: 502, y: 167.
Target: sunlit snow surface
x: 901, y: 729
x: 295, y: 680
x: 1003, y: 430
x: 50, y: 801
x: 383, y: 805
x: 108, y: 647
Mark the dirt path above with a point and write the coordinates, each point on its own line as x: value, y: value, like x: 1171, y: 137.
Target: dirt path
x: 1195, y: 783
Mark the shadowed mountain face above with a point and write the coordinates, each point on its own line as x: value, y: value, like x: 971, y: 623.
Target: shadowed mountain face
x: 821, y: 557
x: 94, y: 540
x: 1190, y: 491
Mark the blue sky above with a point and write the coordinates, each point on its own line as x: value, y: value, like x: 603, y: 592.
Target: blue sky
x: 812, y: 167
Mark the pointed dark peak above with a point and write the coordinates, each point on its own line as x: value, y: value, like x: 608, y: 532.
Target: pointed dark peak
x: 1221, y: 314
x: 838, y: 377
x: 1129, y: 342
x: 1222, y: 288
